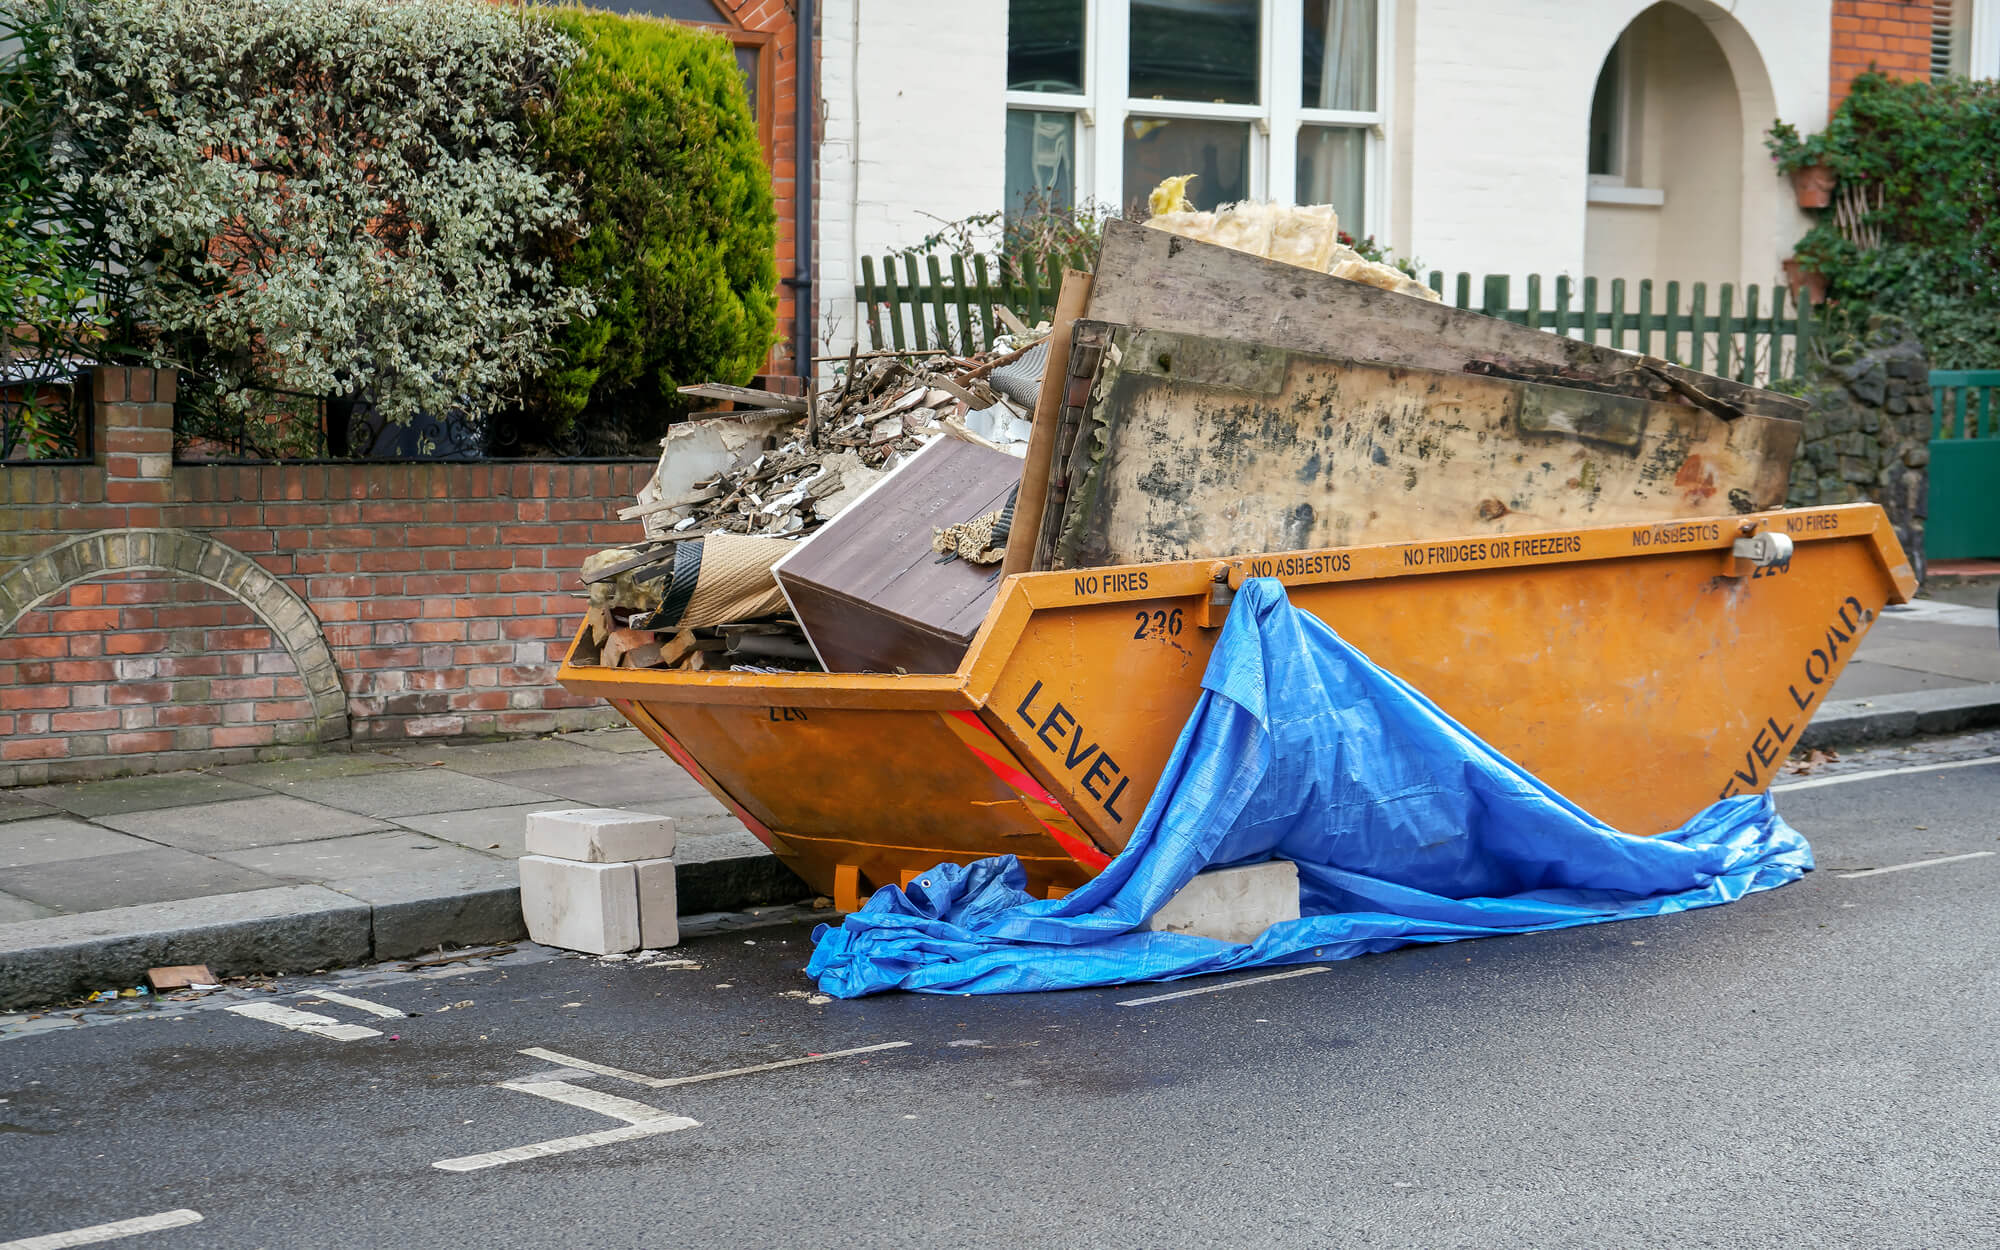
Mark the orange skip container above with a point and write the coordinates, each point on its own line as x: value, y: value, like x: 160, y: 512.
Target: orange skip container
x: 1642, y: 670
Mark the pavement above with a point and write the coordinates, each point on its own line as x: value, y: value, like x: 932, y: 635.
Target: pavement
x: 1810, y: 1066
x: 343, y: 858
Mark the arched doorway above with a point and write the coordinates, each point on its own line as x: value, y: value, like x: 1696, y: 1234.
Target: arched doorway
x: 1679, y: 101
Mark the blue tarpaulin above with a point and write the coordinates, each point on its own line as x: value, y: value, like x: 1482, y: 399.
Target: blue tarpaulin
x: 1405, y: 827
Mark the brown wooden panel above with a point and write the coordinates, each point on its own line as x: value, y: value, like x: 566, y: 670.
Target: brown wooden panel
x: 869, y: 590
x: 1151, y: 280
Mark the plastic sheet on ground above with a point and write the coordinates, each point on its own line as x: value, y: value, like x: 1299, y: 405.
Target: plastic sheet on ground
x: 1404, y: 825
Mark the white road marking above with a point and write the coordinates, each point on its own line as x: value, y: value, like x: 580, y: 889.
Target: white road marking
x: 1921, y: 863
x: 560, y: 1145
x: 359, y: 1004
x: 1211, y: 989
x: 1905, y: 771
x: 303, y: 1021
x: 640, y: 1121
x: 106, y: 1232
x: 585, y: 1065
x: 665, y: 1082
x: 591, y: 1100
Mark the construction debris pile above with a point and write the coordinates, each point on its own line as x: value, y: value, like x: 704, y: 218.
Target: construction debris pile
x: 774, y: 474
x: 1200, y: 395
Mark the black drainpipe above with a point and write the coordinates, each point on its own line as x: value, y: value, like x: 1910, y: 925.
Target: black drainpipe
x: 801, y: 281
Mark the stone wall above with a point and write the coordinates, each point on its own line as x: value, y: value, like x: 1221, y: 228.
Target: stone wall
x: 1868, y: 437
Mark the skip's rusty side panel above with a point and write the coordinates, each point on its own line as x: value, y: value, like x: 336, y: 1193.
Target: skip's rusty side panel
x: 1194, y: 447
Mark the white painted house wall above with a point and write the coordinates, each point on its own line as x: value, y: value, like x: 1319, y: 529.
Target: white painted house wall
x: 1500, y: 96
x: 1486, y: 136
x: 914, y: 117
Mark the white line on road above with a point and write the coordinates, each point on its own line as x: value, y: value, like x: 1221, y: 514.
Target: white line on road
x: 591, y: 1100
x: 1211, y: 989
x: 561, y: 1145
x: 359, y: 1004
x: 665, y: 1082
x: 1921, y: 863
x: 640, y: 1121
x: 106, y: 1232
x: 585, y: 1065
x: 303, y: 1021
x: 1905, y: 771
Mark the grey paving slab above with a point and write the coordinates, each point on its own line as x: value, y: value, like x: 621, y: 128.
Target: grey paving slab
x: 1977, y: 592
x: 619, y: 782
x: 1981, y: 664
x: 54, y: 838
x: 498, y: 759
x: 161, y: 874
x: 288, y: 928
x: 425, y: 909
x: 240, y: 824
x: 1977, y: 635
x: 494, y: 830
x: 1864, y: 679
x: 137, y: 794
x: 280, y: 774
x: 619, y: 741
x: 361, y: 854
x: 13, y: 807
x: 13, y: 909
x: 413, y: 792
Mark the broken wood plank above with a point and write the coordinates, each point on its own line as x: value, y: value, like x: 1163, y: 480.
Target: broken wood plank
x: 745, y: 395
x: 1071, y: 302
x: 623, y: 641
x: 1151, y: 280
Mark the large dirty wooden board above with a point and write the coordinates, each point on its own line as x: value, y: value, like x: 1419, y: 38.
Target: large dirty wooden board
x: 1151, y: 280
x: 867, y: 588
x: 1191, y: 447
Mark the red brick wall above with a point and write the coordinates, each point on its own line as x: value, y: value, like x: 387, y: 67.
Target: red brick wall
x: 140, y: 663
x: 445, y: 593
x: 1893, y: 36
x: 780, y: 110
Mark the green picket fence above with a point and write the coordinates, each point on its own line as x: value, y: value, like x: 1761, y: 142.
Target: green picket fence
x: 947, y: 302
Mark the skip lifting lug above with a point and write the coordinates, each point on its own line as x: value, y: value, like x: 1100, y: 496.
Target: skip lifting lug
x: 1214, y: 608
x: 1759, y: 548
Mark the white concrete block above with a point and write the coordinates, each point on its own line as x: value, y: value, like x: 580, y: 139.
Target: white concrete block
x: 600, y: 835
x: 580, y: 907
x: 1232, y: 904
x: 659, y: 907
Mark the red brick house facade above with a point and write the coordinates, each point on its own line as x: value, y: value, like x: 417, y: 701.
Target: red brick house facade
x: 1893, y: 36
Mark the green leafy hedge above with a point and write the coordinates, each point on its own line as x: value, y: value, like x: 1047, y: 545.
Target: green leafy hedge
x: 325, y: 196
x: 1926, y: 157
x: 653, y: 129
x: 546, y: 215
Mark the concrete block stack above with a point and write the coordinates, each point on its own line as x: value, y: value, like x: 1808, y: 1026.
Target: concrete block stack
x: 600, y: 880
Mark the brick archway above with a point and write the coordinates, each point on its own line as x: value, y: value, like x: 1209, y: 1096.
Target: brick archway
x: 188, y: 554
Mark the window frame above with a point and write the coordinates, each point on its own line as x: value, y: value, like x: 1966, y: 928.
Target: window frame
x: 1105, y: 105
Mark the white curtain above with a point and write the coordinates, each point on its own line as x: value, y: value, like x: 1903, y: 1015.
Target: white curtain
x: 1347, y: 64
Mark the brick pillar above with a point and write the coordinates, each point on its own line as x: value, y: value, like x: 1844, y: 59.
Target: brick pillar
x: 132, y: 433
x: 1893, y: 36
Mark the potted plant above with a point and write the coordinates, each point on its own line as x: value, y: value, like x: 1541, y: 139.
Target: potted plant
x: 1800, y: 276
x: 1805, y: 161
